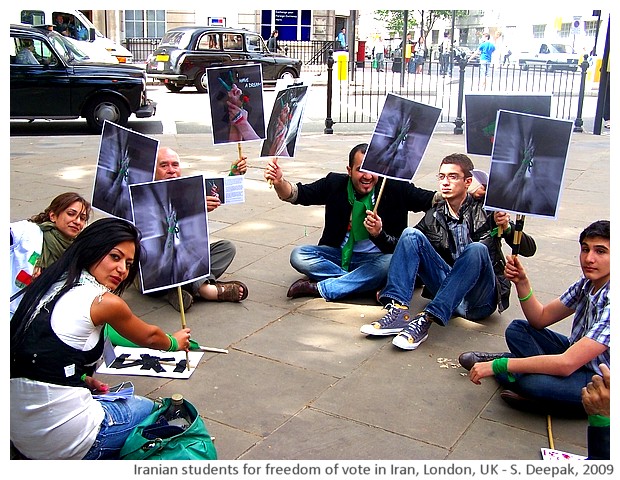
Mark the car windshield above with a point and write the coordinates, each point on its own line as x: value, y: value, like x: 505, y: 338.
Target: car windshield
x: 65, y: 49
x: 559, y: 48
x: 74, y: 50
x: 176, y: 39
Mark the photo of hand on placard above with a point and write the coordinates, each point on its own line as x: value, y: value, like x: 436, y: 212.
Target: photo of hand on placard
x: 400, y: 138
x: 125, y: 158
x: 528, y: 164
x: 172, y: 216
x: 236, y: 96
x: 481, y: 114
x: 284, y: 124
x: 227, y: 189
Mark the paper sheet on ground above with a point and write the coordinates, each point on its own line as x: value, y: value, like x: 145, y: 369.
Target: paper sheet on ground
x: 135, y: 354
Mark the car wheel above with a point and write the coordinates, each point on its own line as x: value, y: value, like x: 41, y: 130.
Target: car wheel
x: 549, y: 67
x: 174, y: 88
x: 287, y: 74
x: 106, y: 107
x: 201, y: 82
x: 523, y: 66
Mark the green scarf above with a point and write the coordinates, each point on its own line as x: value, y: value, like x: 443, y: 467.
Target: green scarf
x: 358, y: 215
x: 54, y: 244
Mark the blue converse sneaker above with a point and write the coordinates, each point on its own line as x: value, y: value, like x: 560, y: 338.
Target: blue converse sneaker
x: 415, y: 333
x: 392, y: 322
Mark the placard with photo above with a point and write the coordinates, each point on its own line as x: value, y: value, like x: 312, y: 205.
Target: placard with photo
x: 481, y: 113
x: 125, y: 158
x: 284, y: 125
x: 236, y: 96
x: 528, y: 164
x: 400, y: 138
x: 172, y: 216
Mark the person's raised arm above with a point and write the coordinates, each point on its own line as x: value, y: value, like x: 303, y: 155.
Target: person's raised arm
x: 273, y: 172
x: 537, y: 314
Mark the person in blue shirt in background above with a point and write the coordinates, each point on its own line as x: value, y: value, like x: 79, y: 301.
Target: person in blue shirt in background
x: 486, y: 50
x: 341, y: 39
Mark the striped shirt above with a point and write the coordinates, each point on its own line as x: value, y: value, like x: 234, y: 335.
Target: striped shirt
x: 591, y: 320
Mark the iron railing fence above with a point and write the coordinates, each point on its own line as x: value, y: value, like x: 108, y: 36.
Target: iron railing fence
x: 359, y: 88
x: 359, y: 91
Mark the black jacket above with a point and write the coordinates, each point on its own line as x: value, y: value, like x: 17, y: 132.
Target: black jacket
x: 397, y: 200
x: 480, y: 224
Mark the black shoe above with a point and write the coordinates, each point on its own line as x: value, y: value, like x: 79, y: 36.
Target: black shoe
x: 522, y: 403
x: 303, y: 288
x: 467, y: 359
x: 540, y: 407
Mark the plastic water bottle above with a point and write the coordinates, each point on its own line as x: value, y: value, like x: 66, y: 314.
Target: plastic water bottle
x: 178, y: 414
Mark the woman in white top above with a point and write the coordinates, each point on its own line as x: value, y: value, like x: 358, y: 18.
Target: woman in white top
x: 57, y: 339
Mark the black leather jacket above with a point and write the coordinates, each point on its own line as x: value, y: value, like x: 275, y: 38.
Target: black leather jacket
x: 481, y: 225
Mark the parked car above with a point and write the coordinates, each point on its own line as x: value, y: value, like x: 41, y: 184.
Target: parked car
x: 551, y: 56
x: 184, y: 54
x: 59, y: 85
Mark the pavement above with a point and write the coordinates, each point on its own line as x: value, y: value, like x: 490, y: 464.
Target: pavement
x: 299, y: 381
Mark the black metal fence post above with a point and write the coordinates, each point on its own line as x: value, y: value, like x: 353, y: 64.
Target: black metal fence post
x: 430, y: 59
x: 458, y: 129
x: 329, y: 123
x: 582, y: 90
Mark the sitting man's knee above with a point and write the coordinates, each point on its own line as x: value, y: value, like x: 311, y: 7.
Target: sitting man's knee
x: 298, y: 255
x: 517, y: 326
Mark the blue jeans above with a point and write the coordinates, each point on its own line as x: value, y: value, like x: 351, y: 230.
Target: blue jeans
x: 121, y: 417
x: 523, y: 340
x: 466, y: 289
x: 484, y: 66
x: 322, y: 264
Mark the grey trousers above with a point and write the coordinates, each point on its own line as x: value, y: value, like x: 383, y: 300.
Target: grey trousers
x: 222, y: 253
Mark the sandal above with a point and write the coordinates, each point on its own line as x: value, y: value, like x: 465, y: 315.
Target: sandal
x: 229, y: 291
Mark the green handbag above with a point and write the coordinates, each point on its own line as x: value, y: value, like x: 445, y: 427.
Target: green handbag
x: 151, y: 440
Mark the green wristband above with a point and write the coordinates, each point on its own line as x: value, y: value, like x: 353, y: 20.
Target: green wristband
x: 598, y: 421
x: 500, y: 365
x: 174, y: 345
x: 527, y: 297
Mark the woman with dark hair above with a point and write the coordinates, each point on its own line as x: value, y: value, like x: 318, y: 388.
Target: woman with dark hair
x: 57, y: 337
x: 38, y: 242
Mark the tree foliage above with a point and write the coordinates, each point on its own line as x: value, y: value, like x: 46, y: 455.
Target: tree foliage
x: 394, y: 19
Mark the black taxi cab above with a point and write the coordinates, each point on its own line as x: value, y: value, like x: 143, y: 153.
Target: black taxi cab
x: 185, y: 53
x: 49, y: 79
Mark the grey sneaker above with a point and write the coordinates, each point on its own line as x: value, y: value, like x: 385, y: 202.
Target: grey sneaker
x: 392, y: 322
x: 413, y: 334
